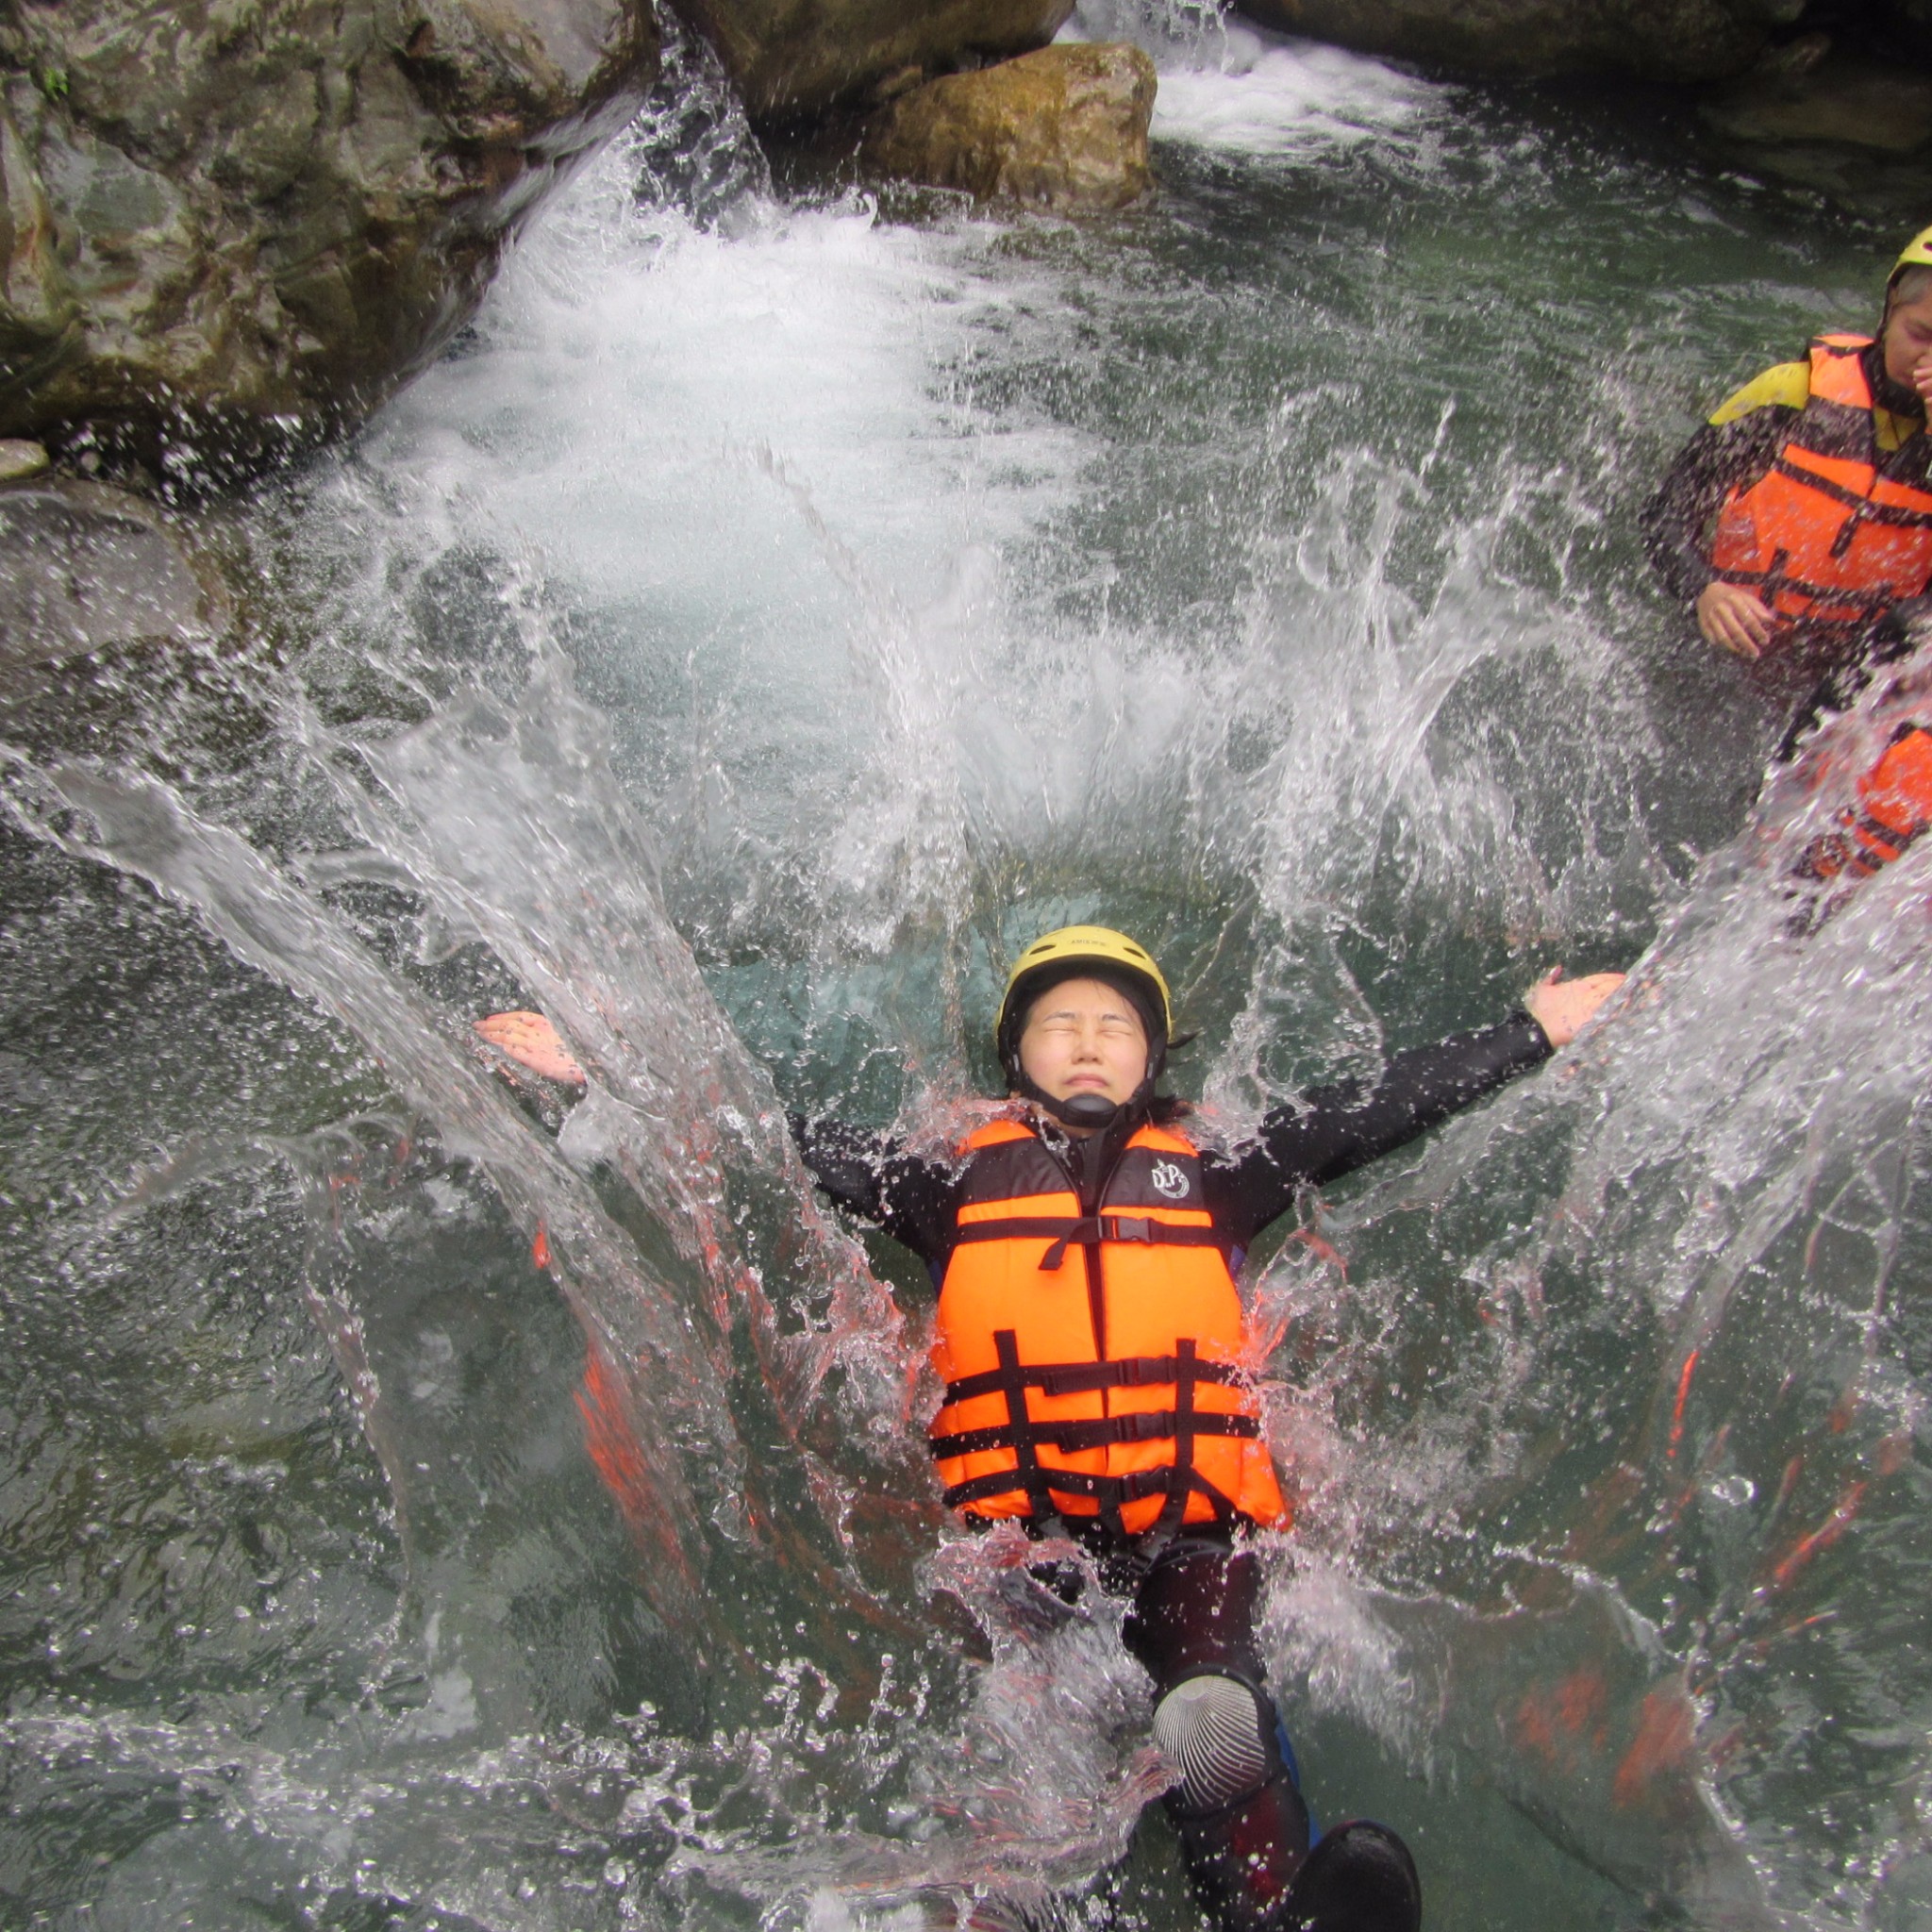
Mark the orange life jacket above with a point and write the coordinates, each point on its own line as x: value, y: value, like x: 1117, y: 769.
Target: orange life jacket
x: 1092, y: 1365
x: 1825, y: 536
x: 1894, y: 807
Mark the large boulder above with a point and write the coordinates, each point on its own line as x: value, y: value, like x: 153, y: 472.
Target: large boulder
x: 84, y: 569
x: 1065, y: 128
x: 1666, y: 39
x: 795, y: 60
x: 228, y: 227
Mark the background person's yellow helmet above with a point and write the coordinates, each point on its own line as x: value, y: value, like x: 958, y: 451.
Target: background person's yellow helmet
x: 1917, y: 253
x: 1065, y: 955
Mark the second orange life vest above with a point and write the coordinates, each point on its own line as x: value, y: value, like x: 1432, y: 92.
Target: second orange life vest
x: 1894, y: 810
x: 1093, y: 1364
x: 1824, y: 535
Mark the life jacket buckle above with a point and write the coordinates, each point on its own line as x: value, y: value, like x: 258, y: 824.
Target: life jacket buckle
x: 1130, y: 1227
x: 1082, y: 1231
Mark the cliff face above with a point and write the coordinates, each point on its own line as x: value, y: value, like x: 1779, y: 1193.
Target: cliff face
x: 228, y: 227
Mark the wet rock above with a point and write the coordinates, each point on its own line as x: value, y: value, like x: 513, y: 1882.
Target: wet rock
x: 229, y: 226
x: 1813, y: 93
x: 1669, y: 39
x: 791, y: 60
x: 86, y: 568
x: 1065, y: 128
x: 19, y: 460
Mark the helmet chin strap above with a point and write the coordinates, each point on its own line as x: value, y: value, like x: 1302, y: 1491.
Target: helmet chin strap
x: 1089, y: 1113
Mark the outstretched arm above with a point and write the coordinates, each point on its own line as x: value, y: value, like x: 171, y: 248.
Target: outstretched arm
x: 864, y: 1173
x: 876, y: 1179
x: 1337, y: 1129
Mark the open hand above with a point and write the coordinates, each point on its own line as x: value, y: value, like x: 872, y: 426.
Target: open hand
x: 1733, y: 619
x: 532, y: 1042
x: 1563, y: 1008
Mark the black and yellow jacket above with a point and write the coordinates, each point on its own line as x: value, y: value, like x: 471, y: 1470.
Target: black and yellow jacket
x: 1754, y: 433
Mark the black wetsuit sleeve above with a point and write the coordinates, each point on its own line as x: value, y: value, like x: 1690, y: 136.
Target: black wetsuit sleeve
x: 1336, y: 1129
x: 876, y: 1179
x: 1679, y: 522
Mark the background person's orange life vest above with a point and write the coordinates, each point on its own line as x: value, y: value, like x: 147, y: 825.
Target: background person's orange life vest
x: 1825, y: 536
x: 1894, y: 811
x: 1093, y: 1366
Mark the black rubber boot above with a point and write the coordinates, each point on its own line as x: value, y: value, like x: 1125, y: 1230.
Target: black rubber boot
x: 1359, y: 1878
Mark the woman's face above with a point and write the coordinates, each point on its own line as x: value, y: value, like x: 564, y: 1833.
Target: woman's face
x: 1909, y: 339
x: 1083, y: 1036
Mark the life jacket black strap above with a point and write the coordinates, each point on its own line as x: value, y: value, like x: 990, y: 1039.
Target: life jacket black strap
x: 1083, y: 1378
x: 1776, y: 579
x: 1187, y: 1426
x: 1112, y: 1492
x: 1867, y: 509
x: 1184, y: 1422
x: 1881, y: 843
x: 1101, y: 1432
x: 1062, y: 1231
x: 1109, y: 1491
x: 1028, y: 1476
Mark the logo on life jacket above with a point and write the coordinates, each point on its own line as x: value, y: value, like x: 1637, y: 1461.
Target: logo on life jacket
x: 1169, y: 1181
x: 1829, y: 534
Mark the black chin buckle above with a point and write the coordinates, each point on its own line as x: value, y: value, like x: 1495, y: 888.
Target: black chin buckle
x: 1086, y: 1111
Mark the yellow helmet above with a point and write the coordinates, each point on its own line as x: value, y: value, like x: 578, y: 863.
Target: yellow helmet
x: 1059, y: 955
x: 1917, y: 253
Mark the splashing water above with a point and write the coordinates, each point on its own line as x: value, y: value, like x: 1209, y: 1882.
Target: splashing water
x: 428, y: 1506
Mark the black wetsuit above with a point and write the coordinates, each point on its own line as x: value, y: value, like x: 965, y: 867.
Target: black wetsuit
x: 1332, y: 1132
x: 1196, y: 1596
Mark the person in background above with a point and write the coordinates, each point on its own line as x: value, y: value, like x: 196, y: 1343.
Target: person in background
x: 1803, y: 507
x: 1797, y: 524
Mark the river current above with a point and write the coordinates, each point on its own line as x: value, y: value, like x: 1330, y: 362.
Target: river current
x: 428, y: 1506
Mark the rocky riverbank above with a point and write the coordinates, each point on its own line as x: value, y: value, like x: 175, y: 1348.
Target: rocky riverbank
x: 1666, y: 39
x: 228, y: 232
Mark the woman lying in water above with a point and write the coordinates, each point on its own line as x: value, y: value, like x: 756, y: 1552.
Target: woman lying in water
x: 1090, y: 1337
